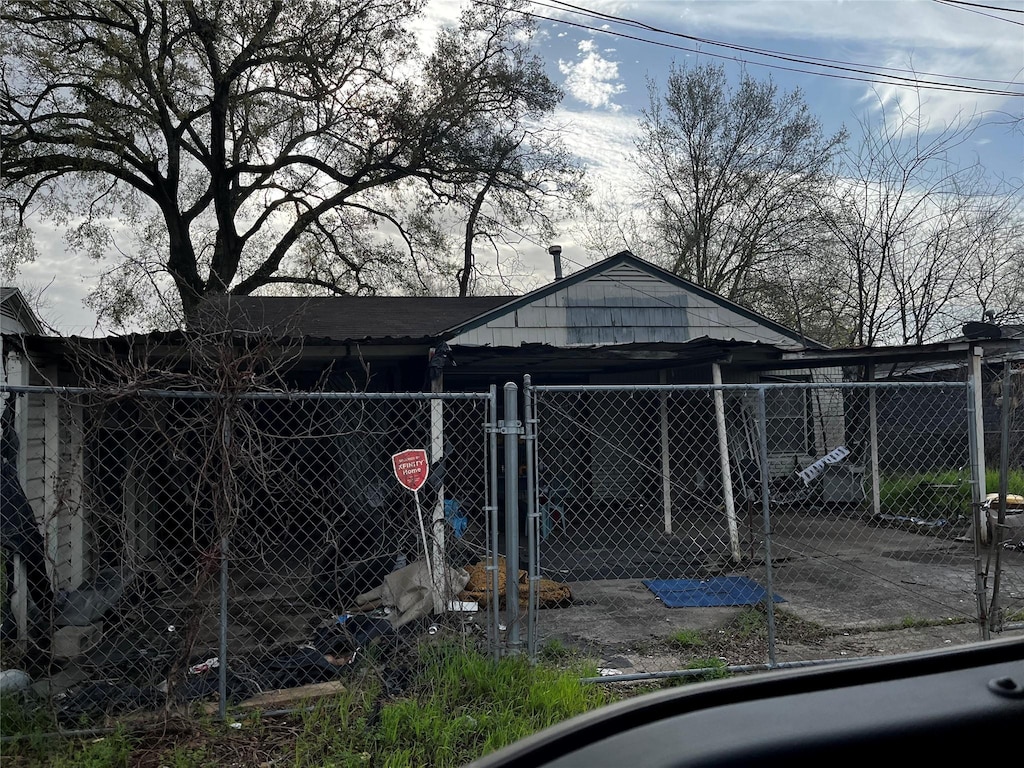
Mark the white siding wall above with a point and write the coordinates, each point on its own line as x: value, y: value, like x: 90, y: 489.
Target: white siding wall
x: 622, y: 305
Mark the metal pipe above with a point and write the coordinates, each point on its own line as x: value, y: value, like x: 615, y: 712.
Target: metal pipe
x: 222, y: 653
x: 762, y: 418
x: 994, y: 617
x: 666, y: 458
x: 804, y: 385
x: 975, y: 443
x: 510, y: 430
x: 532, y: 520
x: 492, y: 522
x: 735, y: 669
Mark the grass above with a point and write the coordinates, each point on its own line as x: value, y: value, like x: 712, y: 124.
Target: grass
x: 902, y: 494
x: 686, y: 639
x: 458, y: 706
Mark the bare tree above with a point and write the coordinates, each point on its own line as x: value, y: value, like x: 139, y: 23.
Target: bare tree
x: 730, y: 173
x: 243, y: 146
x: 917, y: 231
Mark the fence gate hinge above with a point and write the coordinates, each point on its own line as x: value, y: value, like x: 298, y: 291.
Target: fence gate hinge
x: 510, y: 427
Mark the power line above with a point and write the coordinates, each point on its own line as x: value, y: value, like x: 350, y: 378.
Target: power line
x: 813, y: 60
x: 962, y: 7
x: 872, y: 76
x: 981, y: 5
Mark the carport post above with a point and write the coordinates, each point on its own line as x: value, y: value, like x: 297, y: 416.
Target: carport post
x: 876, y: 485
x: 666, y: 477
x: 723, y: 459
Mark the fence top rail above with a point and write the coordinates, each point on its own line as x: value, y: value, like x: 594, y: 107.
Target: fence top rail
x: 879, y: 385
x: 200, y: 395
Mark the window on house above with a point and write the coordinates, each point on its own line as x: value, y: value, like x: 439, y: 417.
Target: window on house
x: 787, y: 413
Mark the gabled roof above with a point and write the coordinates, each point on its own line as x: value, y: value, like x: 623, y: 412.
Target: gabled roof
x: 343, y: 318
x: 625, y: 257
x: 423, y: 319
x: 15, y: 306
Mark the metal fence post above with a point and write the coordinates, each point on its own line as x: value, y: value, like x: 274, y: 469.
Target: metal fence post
x: 976, y: 447
x: 494, y: 630
x: 762, y: 419
x: 995, y: 610
x: 222, y: 653
x: 532, y: 519
x: 510, y: 429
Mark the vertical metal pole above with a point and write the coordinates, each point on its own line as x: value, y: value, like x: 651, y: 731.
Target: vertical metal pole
x: 994, y: 613
x: 511, y: 434
x: 762, y: 418
x: 492, y: 522
x: 723, y: 460
x: 666, y: 464
x: 222, y: 654
x: 976, y: 448
x: 876, y: 481
x: 437, y: 531
x: 532, y: 519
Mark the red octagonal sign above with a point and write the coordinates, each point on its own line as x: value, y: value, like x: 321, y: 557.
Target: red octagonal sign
x: 411, y: 468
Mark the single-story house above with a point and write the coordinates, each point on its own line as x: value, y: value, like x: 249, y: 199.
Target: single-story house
x: 621, y: 321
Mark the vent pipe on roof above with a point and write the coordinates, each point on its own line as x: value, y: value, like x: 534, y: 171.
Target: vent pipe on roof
x: 556, y: 253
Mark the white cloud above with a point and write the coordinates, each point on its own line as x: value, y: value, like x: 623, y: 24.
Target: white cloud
x: 592, y: 78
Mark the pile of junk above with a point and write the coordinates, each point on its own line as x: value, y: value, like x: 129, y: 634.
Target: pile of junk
x: 125, y: 668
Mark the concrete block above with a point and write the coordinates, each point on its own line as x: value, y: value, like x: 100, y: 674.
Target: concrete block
x: 71, y: 642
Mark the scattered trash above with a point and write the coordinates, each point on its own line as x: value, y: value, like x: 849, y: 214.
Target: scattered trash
x: 410, y: 592
x: 455, y: 518
x: 608, y: 672
x: 236, y: 726
x: 204, y: 666
x: 92, y: 600
x: 910, y: 521
x: 433, y: 629
x: 14, y: 681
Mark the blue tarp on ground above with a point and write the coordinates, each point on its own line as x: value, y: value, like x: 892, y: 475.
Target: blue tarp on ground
x: 707, y: 593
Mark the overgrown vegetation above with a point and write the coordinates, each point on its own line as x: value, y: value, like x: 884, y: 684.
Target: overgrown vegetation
x: 456, y: 706
x: 938, y: 494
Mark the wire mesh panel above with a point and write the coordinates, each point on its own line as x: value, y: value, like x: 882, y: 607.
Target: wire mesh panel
x: 278, y: 533
x: 678, y: 515
x: 871, y: 517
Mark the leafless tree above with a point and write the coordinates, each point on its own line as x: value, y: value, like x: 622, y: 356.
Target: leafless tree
x: 730, y: 173
x: 918, y: 231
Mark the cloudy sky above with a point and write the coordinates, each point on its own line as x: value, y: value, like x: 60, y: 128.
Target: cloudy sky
x: 603, y: 53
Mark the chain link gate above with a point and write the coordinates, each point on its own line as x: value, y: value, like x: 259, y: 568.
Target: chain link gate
x: 207, y: 546
x: 802, y: 519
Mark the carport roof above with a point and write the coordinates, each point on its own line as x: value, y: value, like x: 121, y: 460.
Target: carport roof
x: 341, y: 319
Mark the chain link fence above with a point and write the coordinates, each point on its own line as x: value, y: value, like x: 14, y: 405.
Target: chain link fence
x: 172, y: 547
x: 220, y: 547
x: 850, y: 505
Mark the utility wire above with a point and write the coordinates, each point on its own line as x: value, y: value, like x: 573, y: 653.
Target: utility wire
x: 982, y: 5
x: 962, y: 7
x: 872, y: 76
x: 801, y: 58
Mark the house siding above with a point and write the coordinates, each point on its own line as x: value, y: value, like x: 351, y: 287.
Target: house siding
x: 623, y: 305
